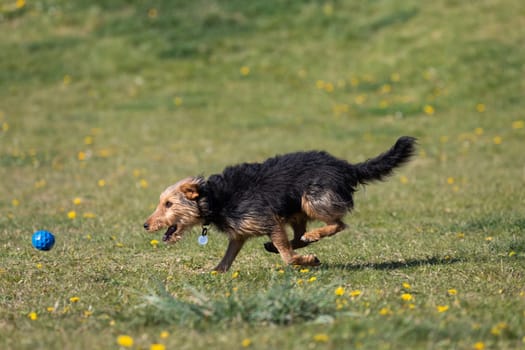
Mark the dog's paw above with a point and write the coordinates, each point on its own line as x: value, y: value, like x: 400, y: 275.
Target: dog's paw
x: 308, y: 238
x: 270, y: 247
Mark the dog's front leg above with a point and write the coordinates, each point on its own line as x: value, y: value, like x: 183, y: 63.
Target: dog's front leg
x: 234, y: 246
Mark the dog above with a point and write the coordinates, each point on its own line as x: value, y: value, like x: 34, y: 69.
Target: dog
x: 260, y: 199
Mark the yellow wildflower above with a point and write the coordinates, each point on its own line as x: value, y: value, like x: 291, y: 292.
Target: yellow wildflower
x: 154, y: 243
x: 479, y: 346
x: 442, y: 308
x: 81, y: 155
x: 177, y: 101
x: 480, y: 107
x: 72, y: 214
x: 339, y: 291
x: 497, y: 140
x: 143, y: 183
x: 355, y: 293
x: 74, y: 299
x: 429, y: 110
x: 33, y: 316
x: 385, y: 311
x: 101, y: 183
x: 452, y: 291
x: 77, y: 200
x: 403, y: 179
x: 478, y: 131
x: 15, y: 202
x: 304, y: 270
x: 450, y: 180
x: 518, y: 124
x: 246, y: 342
x: 164, y: 334
x: 88, y: 140
x: 89, y: 215
x: 312, y: 279
x: 157, y: 346
x: 245, y: 71
x: 407, y: 297
x: 153, y: 13
x: 406, y: 285
x: 125, y: 341
x: 235, y: 274
x: 321, y: 337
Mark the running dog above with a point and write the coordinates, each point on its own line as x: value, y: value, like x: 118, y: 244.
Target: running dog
x: 260, y: 199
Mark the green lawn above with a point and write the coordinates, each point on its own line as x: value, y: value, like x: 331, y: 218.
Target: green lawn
x: 105, y: 103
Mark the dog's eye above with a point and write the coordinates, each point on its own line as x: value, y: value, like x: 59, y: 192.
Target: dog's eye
x: 168, y: 204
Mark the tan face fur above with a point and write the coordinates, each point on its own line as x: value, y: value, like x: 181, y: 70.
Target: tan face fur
x: 177, y: 210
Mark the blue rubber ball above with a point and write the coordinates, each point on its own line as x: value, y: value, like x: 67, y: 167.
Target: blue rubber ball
x: 43, y: 240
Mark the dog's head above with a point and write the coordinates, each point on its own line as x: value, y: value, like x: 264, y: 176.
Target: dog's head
x: 178, y: 209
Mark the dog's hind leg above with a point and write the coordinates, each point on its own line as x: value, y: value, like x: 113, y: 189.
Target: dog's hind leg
x: 280, y: 241
x: 331, y: 228
x: 325, y: 206
x: 234, y: 246
x: 299, y: 228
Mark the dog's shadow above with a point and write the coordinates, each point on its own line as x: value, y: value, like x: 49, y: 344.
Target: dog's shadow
x: 392, y: 265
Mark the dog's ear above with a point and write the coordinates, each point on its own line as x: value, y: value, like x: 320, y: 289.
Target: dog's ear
x: 190, y: 190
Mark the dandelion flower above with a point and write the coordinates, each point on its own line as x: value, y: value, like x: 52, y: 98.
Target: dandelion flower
x: 429, y: 110
x: 480, y: 107
x: 442, y: 308
x: 143, y: 183
x: 478, y: 131
x: 74, y: 299
x: 320, y: 84
x: 89, y: 215
x: 328, y: 9
x: 329, y: 87
x: 385, y: 311
x: 50, y: 309
x: 479, y: 346
x: 101, y: 183
x: 177, y: 101
x: 452, y: 291
x: 339, y: 291
x: 245, y: 71
x: 512, y: 253
x: 518, y: 124
x: 407, y: 297
x: 360, y: 99
x: 235, y: 274
x: 321, y: 337
x: 88, y: 140
x: 157, y: 346
x: 20, y: 3
x: 395, y: 77
x: 125, y: 341
x: 72, y: 214
x: 246, y: 342
x: 214, y: 273
x: 33, y: 316
x: 154, y: 243
x: 164, y: 334
x: 312, y: 279
x: 386, y: 89
x: 77, y: 200
x: 406, y: 285
x: 489, y: 238
x: 39, y: 265
x: 153, y: 13
x: 404, y: 180
x: 304, y: 270
x: 355, y: 293
x: 497, y: 140
x: 15, y: 202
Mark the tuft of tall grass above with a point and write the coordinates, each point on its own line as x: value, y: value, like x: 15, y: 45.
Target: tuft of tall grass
x: 284, y: 302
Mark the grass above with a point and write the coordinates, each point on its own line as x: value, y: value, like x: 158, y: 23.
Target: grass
x: 103, y: 104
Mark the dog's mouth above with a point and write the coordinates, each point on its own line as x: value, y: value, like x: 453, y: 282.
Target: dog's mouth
x: 169, y: 235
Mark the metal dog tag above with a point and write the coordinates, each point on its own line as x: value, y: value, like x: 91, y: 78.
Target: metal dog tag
x: 203, y: 238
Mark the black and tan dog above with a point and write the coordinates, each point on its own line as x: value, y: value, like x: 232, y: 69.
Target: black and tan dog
x: 259, y: 199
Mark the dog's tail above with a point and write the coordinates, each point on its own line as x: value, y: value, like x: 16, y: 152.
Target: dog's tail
x: 380, y: 167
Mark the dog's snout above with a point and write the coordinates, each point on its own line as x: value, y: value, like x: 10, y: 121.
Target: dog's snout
x: 146, y: 226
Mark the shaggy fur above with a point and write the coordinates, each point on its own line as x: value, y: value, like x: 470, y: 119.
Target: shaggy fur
x: 259, y: 199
